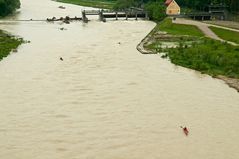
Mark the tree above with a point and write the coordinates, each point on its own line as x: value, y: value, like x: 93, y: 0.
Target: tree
x: 8, y: 6
x: 156, y: 10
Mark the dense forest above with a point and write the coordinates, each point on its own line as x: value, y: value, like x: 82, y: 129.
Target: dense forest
x: 8, y: 6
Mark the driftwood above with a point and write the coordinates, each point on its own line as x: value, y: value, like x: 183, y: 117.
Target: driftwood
x: 66, y: 19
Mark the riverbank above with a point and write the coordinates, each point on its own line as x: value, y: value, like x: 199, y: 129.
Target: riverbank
x: 8, y: 44
x: 105, y: 4
x: 212, y: 57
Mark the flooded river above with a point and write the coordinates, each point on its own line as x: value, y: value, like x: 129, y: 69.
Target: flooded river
x: 106, y: 100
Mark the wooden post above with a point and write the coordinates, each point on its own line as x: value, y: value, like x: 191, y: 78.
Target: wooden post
x: 116, y: 15
x: 84, y: 18
x: 101, y: 17
x: 126, y: 15
x: 136, y: 15
x: 146, y: 15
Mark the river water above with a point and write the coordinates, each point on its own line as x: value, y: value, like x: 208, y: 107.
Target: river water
x: 106, y: 100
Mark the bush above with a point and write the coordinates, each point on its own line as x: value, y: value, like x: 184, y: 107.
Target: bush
x: 124, y: 4
x: 8, y: 43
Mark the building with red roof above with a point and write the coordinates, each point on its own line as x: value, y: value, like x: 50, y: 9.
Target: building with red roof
x: 172, y: 7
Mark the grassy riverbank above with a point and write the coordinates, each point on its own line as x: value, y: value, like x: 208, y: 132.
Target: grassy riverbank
x: 227, y: 35
x: 106, y: 4
x: 194, y: 51
x: 210, y: 57
x: 178, y: 29
x: 7, y: 44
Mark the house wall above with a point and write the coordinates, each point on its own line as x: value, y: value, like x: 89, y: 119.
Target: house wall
x: 173, y: 9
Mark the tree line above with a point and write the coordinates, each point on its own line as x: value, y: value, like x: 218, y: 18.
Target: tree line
x: 232, y: 5
x: 8, y: 6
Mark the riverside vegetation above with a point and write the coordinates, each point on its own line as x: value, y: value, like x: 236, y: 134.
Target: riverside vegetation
x: 194, y: 51
x: 8, y: 6
x: 7, y: 42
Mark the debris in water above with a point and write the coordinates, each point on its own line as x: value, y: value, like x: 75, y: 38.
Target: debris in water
x: 62, y: 7
x: 62, y: 28
x: 185, y: 130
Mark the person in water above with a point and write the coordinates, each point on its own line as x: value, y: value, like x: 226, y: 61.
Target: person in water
x: 185, y: 130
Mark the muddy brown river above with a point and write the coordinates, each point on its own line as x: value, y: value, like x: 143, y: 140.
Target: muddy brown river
x: 106, y: 100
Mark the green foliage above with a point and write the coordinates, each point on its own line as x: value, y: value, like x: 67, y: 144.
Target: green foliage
x: 7, y: 44
x: 196, y: 52
x: 211, y: 57
x: 233, y: 5
x: 124, y: 4
x: 179, y: 29
x: 226, y: 34
x: 156, y: 10
x: 8, y: 6
x: 105, y: 4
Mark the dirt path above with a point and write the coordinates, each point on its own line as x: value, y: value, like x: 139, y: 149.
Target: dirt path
x: 205, y: 28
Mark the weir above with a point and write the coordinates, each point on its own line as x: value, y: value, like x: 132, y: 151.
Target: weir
x: 104, y: 14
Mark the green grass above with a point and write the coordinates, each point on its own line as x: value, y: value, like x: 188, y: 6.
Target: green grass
x: 179, y: 29
x: 211, y: 57
x: 227, y: 35
x: 105, y: 4
x: 196, y: 51
x: 7, y: 44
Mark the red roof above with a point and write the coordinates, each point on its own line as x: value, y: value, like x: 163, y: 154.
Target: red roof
x: 168, y: 2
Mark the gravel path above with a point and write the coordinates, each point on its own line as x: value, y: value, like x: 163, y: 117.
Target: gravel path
x: 204, y: 28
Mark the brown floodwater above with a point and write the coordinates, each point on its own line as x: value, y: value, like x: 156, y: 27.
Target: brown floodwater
x: 106, y: 100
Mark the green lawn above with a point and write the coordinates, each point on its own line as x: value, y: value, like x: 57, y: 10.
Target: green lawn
x: 226, y: 34
x: 179, y: 29
x: 7, y: 44
x: 105, y: 4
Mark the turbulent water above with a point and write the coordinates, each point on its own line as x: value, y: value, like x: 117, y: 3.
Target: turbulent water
x: 105, y: 100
